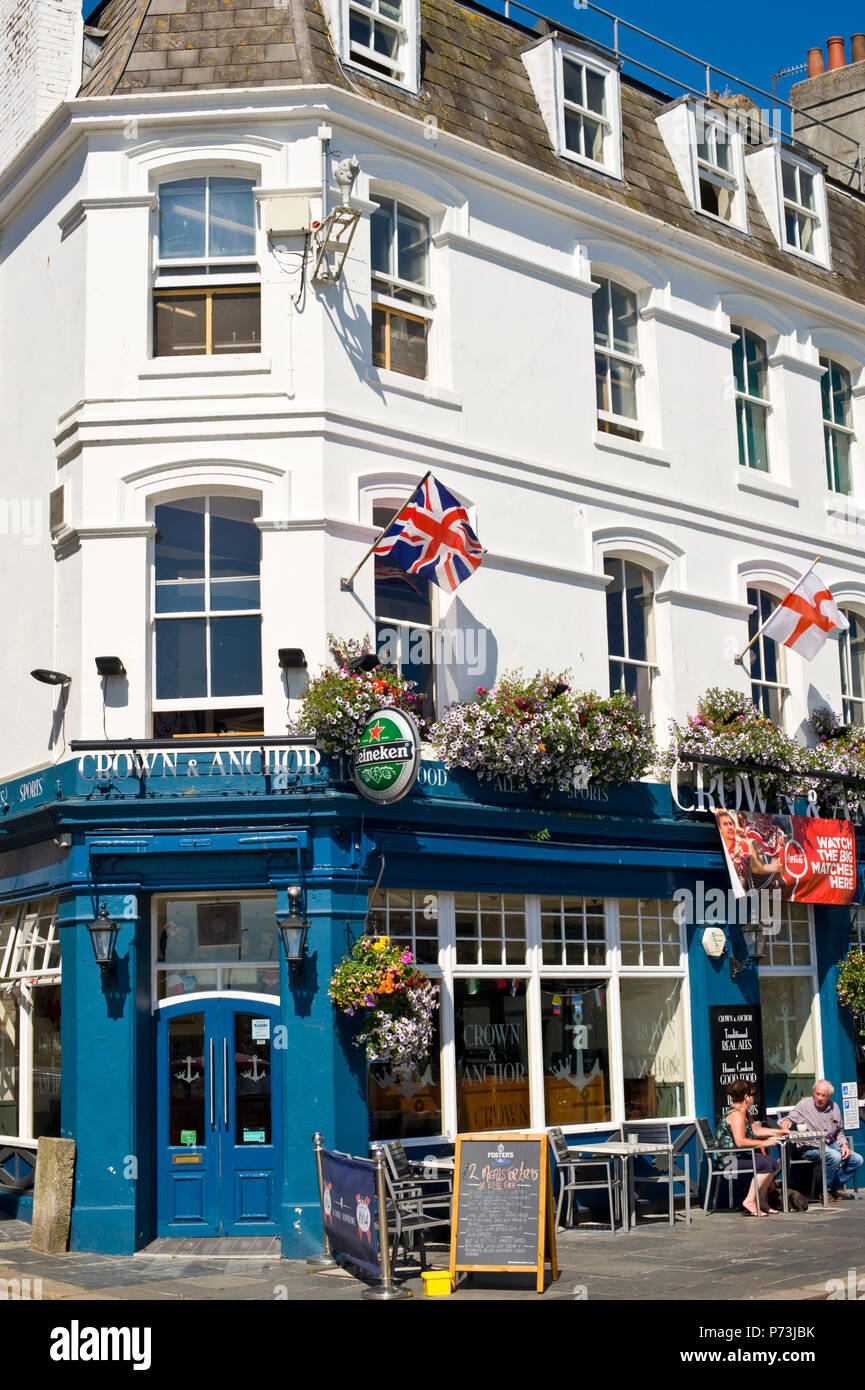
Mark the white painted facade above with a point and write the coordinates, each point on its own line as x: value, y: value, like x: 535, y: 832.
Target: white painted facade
x: 317, y: 435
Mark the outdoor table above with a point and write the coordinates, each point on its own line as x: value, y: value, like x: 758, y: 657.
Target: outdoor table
x: 627, y: 1153
x: 807, y: 1138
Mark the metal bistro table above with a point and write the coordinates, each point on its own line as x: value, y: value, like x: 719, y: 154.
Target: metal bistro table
x: 627, y: 1153
x: 809, y: 1139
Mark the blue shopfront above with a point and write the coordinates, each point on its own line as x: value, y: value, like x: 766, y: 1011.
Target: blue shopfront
x: 193, y: 1072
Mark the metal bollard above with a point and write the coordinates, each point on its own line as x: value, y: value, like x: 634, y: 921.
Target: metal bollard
x: 386, y: 1289
x: 325, y: 1261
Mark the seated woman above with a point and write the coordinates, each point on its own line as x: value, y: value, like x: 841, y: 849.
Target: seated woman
x: 735, y: 1131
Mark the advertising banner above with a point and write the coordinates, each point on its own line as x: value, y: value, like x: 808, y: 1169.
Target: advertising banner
x: 348, y: 1211
x: 805, y: 858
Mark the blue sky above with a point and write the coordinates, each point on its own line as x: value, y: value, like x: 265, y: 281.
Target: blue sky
x: 749, y: 39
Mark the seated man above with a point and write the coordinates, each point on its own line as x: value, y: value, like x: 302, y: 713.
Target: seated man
x: 822, y: 1116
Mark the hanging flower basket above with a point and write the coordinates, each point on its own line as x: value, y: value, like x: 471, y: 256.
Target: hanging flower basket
x: 539, y: 732
x: 337, y: 703
x: 381, y: 982
x: 851, y: 986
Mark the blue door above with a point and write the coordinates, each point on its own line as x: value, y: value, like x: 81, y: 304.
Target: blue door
x: 220, y: 1123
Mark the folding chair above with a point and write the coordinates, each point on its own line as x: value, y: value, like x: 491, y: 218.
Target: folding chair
x: 663, y: 1165
x: 711, y: 1150
x: 607, y: 1174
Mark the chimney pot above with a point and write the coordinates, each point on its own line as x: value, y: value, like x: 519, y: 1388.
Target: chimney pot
x: 816, y: 64
x: 836, y: 53
x: 857, y: 48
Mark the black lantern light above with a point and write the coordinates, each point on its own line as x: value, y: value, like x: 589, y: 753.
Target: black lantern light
x: 752, y: 933
x: 103, y: 938
x: 293, y: 930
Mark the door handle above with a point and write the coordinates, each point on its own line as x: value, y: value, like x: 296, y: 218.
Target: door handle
x: 225, y: 1081
x: 212, y: 1097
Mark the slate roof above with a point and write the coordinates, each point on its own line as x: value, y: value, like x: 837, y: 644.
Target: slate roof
x: 472, y: 80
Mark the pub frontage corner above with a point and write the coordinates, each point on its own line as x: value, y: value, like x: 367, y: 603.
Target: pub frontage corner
x: 574, y: 940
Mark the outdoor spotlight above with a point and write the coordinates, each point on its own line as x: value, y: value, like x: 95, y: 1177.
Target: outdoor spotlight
x: 840, y: 732
x: 103, y: 937
x: 110, y: 666
x: 291, y: 658
x: 368, y: 662
x: 50, y: 677
x: 293, y: 930
x: 558, y: 689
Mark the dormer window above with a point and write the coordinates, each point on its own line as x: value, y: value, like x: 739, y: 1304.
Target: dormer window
x: 379, y: 37
x: 707, y: 149
x: 578, y: 94
x: 716, y: 177
x: 801, y: 223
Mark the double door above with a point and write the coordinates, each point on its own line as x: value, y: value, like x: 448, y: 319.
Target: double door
x: 220, y: 1118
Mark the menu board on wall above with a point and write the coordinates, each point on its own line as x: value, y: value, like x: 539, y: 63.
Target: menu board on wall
x: 502, y: 1207
x: 736, y: 1035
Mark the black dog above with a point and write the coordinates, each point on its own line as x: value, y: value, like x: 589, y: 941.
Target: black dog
x: 795, y: 1200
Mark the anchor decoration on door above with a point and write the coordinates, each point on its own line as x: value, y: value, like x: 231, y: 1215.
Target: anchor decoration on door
x: 255, y: 1073
x: 188, y: 1076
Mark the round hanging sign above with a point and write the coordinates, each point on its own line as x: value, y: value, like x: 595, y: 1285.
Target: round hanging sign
x: 386, y: 761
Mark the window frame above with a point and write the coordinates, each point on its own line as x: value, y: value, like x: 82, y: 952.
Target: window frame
x: 818, y: 214
x: 650, y: 665
x: 203, y: 703
x: 833, y: 428
x: 852, y: 706
x: 532, y: 973
x: 390, y: 303
x: 608, y: 421
x: 218, y: 965
x: 758, y: 658
x: 767, y: 969
x: 746, y: 401
x: 404, y: 73
x: 179, y: 276
x: 715, y: 173
x: 405, y: 626
x: 23, y: 918
x: 611, y: 119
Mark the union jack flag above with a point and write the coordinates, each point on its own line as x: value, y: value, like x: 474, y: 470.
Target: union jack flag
x: 432, y: 538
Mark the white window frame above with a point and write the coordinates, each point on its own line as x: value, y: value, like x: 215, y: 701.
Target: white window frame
x: 763, y: 403
x: 830, y: 426
x: 218, y: 966
x: 405, y: 71
x: 781, y: 660
x: 650, y: 666
x: 715, y: 173
x: 768, y: 970
x: 819, y: 214
x: 610, y: 120
x: 851, y: 705
x: 531, y: 973
x: 403, y: 307
x: 26, y: 917
x: 403, y: 629
x: 207, y: 614
x: 631, y: 425
x: 202, y: 273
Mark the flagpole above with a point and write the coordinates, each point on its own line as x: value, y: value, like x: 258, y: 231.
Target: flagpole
x: 800, y: 580
x: 347, y: 585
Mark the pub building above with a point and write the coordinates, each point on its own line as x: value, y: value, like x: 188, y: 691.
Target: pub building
x: 267, y: 268
x: 194, y: 1069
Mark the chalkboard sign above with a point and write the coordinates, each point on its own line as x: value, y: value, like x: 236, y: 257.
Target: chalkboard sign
x: 503, y: 1205
x: 736, y: 1035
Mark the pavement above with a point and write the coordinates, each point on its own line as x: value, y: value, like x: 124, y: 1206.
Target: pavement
x: 724, y: 1256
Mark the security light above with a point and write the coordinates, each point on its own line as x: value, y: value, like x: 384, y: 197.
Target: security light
x: 558, y: 689
x: 50, y: 677
x: 291, y: 658
x: 368, y: 662
x: 110, y: 666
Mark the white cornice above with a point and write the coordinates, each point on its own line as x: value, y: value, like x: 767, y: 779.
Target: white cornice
x: 711, y: 331
x: 77, y: 213
x: 552, y: 274
x: 708, y: 603
x: 797, y: 364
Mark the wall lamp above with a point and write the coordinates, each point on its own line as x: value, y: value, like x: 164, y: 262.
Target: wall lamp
x: 368, y: 662
x: 751, y: 933
x: 291, y: 658
x: 293, y: 930
x: 110, y: 666
x: 103, y: 938
x: 50, y: 677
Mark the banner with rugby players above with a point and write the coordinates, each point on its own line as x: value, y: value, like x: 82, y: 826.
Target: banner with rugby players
x: 806, y: 858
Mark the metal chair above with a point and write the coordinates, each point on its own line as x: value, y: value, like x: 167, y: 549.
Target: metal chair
x: 405, y: 1169
x: 411, y: 1210
x: 607, y: 1174
x: 816, y: 1167
x: 712, y: 1150
x: 663, y: 1165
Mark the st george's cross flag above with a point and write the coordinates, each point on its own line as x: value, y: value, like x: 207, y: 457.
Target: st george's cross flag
x: 431, y: 537
x: 804, y: 618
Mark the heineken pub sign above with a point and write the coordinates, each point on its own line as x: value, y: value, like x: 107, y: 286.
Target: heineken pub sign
x: 386, y: 761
